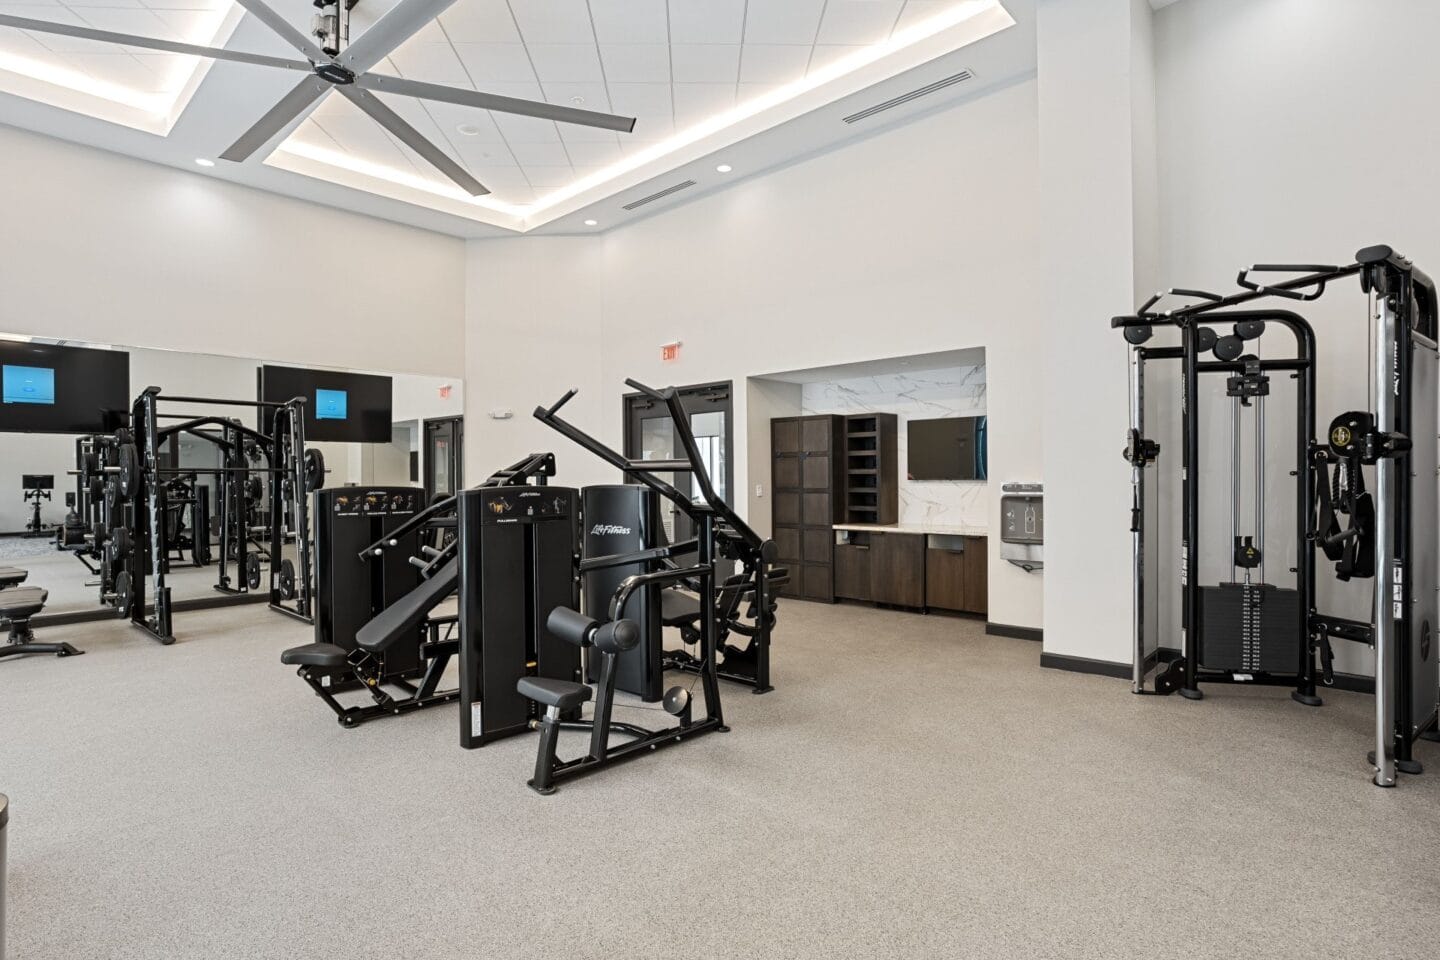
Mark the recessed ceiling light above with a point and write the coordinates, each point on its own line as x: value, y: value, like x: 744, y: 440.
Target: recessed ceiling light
x: 204, y: 162
x: 468, y: 130
x: 592, y: 223
x: 724, y: 168
x: 577, y: 100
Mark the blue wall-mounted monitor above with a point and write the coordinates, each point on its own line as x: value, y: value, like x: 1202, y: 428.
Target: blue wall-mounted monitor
x: 28, y: 384
x: 330, y: 404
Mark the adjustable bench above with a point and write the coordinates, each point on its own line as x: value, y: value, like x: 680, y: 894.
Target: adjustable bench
x: 12, y: 577
x: 17, y: 606
x: 328, y: 668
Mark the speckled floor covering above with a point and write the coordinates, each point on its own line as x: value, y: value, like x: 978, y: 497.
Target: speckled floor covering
x: 913, y: 788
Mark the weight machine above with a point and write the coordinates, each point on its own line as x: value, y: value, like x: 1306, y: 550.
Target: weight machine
x: 292, y: 473
x: 720, y: 533
x: 1250, y: 630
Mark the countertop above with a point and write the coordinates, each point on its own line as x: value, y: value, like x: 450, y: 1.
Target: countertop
x: 942, y: 529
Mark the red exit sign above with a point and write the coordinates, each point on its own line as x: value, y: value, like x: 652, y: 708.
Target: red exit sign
x: 670, y: 351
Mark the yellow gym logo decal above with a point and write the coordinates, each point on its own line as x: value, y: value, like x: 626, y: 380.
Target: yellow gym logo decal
x: 1340, y: 436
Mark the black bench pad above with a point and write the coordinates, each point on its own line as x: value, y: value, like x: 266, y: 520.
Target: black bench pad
x: 10, y: 576
x: 403, y: 616
x: 564, y: 694
x: 20, y: 603
x: 325, y: 655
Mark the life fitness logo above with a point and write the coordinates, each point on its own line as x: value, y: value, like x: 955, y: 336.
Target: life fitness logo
x: 609, y: 530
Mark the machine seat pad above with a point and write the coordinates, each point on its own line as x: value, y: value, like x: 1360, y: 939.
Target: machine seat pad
x: 324, y: 655
x: 563, y: 694
x: 21, y: 603
x: 678, y: 608
x: 10, y: 576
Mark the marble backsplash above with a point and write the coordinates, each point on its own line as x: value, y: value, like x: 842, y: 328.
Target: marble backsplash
x: 923, y: 395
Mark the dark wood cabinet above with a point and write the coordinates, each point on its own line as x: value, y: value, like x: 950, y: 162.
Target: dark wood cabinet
x: 897, y: 564
x: 852, y: 571
x: 807, y: 491
x: 914, y: 570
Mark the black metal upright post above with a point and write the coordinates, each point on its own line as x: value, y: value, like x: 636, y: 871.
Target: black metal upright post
x: 1190, y: 526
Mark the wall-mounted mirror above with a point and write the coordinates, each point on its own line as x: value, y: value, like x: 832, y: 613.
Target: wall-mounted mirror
x: 369, y: 427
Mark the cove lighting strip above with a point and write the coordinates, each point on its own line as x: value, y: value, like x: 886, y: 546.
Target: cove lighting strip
x: 961, y: 12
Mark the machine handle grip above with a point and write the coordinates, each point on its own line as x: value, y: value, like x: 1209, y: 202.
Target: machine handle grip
x: 542, y: 412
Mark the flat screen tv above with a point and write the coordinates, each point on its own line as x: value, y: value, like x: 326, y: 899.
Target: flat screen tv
x: 339, y: 407
x: 952, y: 448
x: 45, y: 388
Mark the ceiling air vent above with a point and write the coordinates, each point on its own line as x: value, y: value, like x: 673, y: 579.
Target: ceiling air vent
x: 929, y: 88
x: 660, y: 195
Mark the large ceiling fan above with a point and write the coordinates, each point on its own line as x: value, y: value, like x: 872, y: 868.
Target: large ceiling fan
x: 345, y: 68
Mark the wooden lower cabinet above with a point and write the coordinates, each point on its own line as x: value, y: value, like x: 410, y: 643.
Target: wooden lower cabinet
x: 899, y: 569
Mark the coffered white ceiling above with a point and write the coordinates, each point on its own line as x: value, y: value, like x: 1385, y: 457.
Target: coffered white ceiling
x: 740, y: 80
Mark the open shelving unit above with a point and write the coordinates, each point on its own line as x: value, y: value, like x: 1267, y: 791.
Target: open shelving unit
x: 872, y: 489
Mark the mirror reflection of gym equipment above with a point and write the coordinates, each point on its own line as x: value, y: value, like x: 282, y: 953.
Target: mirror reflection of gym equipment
x: 1262, y: 624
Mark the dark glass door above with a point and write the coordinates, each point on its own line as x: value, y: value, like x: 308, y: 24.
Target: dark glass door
x: 444, y: 457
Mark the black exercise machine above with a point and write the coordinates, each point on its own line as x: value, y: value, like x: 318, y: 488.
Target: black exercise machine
x: 37, y: 488
x: 719, y: 531
x: 17, y: 605
x: 379, y: 581
x: 1252, y: 631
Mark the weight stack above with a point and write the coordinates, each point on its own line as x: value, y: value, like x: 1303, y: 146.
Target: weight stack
x: 1247, y: 628
x: 350, y: 591
x: 625, y: 518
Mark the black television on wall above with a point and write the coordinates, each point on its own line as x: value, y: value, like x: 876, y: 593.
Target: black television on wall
x: 340, y: 407
x: 951, y: 448
x: 47, y: 388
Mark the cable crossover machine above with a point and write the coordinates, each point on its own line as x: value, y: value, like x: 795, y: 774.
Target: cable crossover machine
x: 1366, y: 498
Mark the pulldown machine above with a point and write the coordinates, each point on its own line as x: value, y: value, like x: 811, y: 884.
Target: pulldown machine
x: 606, y: 634
x: 1250, y: 629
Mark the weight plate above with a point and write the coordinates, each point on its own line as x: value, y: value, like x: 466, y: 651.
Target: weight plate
x: 112, y: 500
x: 129, y: 470
x: 123, y: 593
x: 252, y: 571
x: 100, y: 533
x: 254, y: 488
x: 1206, y: 339
x: 97, y: 487
x: 287, y: 579
x: 216, y: 526
x: 314, y: 470
x: 121, y: 541
x: 124, y: 436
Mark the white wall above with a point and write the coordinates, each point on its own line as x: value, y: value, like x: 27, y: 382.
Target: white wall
x: 1093, y: 91
x: 1300, y: 131
x: 919, y: 239
x: 110, y: 249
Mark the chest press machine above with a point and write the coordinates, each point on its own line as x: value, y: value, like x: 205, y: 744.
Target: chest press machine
x: 1250, y: 630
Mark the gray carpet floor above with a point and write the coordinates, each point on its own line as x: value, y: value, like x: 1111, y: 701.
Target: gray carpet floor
x: 913, y: 788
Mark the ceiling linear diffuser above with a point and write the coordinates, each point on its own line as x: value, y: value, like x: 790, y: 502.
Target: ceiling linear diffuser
x: 334, y: 64
x: 915, y: 94
x: 659, y: 195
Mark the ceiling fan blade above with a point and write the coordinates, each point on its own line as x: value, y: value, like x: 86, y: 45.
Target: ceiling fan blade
x: 293, y: 104
x: 287, y: 30
x: 149, y: 43
x: 412, y: 138
x: 397, y: 25
x: 491, y: 101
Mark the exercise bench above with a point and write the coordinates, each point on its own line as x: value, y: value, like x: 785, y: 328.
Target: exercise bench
x: 17, y: 605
